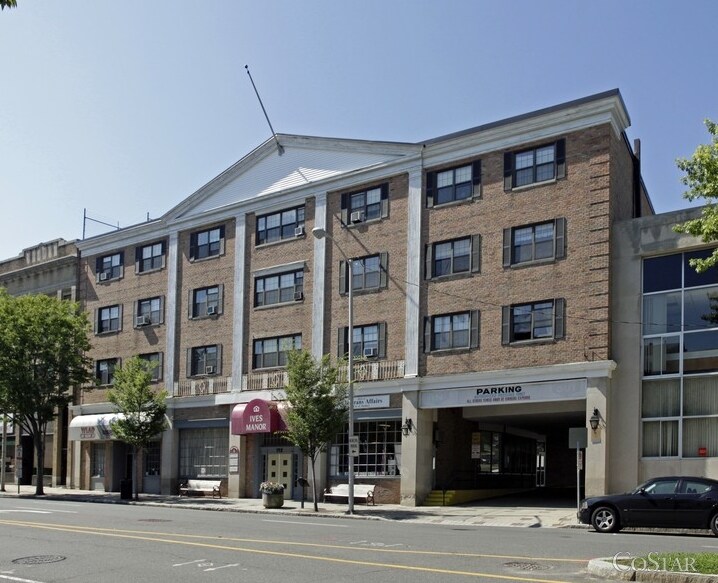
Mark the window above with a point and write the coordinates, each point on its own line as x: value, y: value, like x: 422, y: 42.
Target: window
x: 369, y: 341
x: 368, y: 273
x: 536, y: 321
x: 379, y: 450
x: 533, y: 243
x: 152, y: 457
x: 149, y: 312
x: 203, y: 452
x: 155, y: 360
x: 270, y: 352
x: 105, y: 370
x: 279, y: 226
x: 280, y: 288
x: 150, y: 257
x: 110, y: 267
x: 204, y: 244
x: 540, y: 164
x: 206, y: 301
x: 204, y: 360
x: 109, y: 319
x: 453, y: 184
x: 453, y: 257
x: 366, y: 205
x: 452, y: 331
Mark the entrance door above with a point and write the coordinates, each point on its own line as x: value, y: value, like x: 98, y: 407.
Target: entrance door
x: 97, y: 466
x: 540, y: 464
x: 279, y: 469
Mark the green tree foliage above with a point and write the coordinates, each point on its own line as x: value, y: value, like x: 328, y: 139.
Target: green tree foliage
x: 43, y: 342
x: 701, y: 178
x: 317, y: 406
x: 8, y: 4
x: 143, y: 410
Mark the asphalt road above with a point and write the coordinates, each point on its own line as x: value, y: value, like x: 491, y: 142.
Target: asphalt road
x: 48, y: 541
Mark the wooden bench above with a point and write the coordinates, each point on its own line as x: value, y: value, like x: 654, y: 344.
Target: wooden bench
x: 203, y: 487
x: 361, y: 492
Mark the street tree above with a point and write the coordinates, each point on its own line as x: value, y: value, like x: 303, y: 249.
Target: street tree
x: 43, y: 345
x: 8, y: 4
x: 142, y: 409
x: 317, y: 407
x: 701, y: 178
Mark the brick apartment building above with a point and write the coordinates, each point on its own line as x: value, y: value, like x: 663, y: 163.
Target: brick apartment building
x: 483, y: 271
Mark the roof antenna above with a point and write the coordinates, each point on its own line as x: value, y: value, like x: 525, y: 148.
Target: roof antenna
x: 280, y: 149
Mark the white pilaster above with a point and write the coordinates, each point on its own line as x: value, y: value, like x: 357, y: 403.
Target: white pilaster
x: 413, y: 274
x: 319, y: 277
x: 171, y: 311
x: 240, y: 250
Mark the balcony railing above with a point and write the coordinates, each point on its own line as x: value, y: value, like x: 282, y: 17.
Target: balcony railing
x: 364, y: 372
x: 201, y: 387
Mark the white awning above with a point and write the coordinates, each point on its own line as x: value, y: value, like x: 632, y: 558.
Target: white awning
x: 92, y: 427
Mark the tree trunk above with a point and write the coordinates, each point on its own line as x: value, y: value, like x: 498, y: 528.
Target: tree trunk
x: 39, y: 440
x: 314, y: 483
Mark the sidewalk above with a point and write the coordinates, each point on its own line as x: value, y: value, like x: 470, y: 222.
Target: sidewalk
x: 499, y: 512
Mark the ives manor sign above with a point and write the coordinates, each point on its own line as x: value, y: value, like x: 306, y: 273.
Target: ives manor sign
x: 504, y: 394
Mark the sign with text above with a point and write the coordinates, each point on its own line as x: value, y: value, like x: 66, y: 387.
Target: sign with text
x: 354, y: 445
x: 371, y: 402
x: 257, y: 416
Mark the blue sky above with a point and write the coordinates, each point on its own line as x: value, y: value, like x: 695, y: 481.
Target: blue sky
x: 126, y: 108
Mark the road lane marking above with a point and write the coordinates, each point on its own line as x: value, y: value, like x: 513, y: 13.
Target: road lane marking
x: 9, y: 578
x: 189, y: 563
x: 49, y: 511
x: 31, y: 511
x: 307, y: 523
x: 115, y: 534
x: 222, y: 567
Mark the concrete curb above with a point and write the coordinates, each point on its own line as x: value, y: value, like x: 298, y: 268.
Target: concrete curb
x: 605, y: 569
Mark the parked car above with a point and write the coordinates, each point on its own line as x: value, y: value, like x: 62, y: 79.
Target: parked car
x: 669, y: 502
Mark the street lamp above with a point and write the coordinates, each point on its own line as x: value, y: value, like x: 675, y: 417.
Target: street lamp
x: 320, y: 233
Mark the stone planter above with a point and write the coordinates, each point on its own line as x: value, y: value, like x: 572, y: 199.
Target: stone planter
x: 273, y: 500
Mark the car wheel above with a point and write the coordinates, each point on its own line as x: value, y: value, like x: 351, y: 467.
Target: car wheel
x: 605, y: 519
x: 714, y: 523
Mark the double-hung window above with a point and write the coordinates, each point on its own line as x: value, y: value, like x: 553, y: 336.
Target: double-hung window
x: 535, y: 243
x: 530, y: 166
x: 453, y: 257
x: 105, y: 370
x: 149, y: 312
x: 453, y: 184
x: 154, y: 360
x: 366, y: 205
x: 207, y: 243
x: 204, y: 360
x: 542, y: 320
x: 367, y: 273
x: 452, y: 331
x: 279, y: 288
x: 109, y: 319
x: 150, y: 257
x: 280, y: 226
x: 271, y: 352
x: 369, y: 341
x: 110, y: 267
x: 206, y: 301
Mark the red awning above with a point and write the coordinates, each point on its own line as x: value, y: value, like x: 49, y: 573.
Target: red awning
x: 257, y: 416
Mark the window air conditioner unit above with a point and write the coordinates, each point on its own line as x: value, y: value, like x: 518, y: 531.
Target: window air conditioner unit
x: 299, y: 231
x: 370, y: 352
x: 143, y: 320
x: 208, y: 370
x: 298, y: 296
x: 103, y: 276
x: 356, y: 217
x: 211, y: 310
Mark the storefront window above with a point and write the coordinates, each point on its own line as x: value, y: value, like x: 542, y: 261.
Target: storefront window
x: 379, y: 450
x: 204, y: 452
x: 152, y: 459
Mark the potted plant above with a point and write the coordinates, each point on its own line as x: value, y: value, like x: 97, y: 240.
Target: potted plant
x: 272, y: 494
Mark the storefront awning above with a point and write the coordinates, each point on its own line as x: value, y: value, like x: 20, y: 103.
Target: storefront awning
x: 257, y: 416
x: 92, y: 427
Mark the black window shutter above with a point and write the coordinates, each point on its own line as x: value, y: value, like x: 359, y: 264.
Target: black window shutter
x: 190, y: 304
x: 382, y: 340
x: 476, y: 253
x: 341, y: 342
x: 430, y: 188
x: 476, y: 178
x: 428, y: 260
x: 164, y: 254
x: 119, y: 317
x: 507, y: 247
x: 98, y: 265
x: 559, y: 309
x: 384, y: 201
x: 221, y: 240
x: 561, y: 159
x: 475, y: 328
x: 97, y: 321
x: 505, y: 325
x: 122, y: 264
x: 508, y: 171
x: 138, y: 258
x: 189, y: 362
x: 162, y: 309
x: 220, y: 298
x: 383, y: 269
x: 560, y: 251
x: 343, y: 277
x: 427, y: 334
x: 345, y: 209
x: 218, y: 368
x: 193, y: 246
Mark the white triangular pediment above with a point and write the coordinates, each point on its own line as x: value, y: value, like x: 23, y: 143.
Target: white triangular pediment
x: 304, y: 161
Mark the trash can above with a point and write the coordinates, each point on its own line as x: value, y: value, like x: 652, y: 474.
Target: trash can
x: 125, y: 489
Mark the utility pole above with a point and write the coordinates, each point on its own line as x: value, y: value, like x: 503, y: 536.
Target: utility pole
x: 4, y: 452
